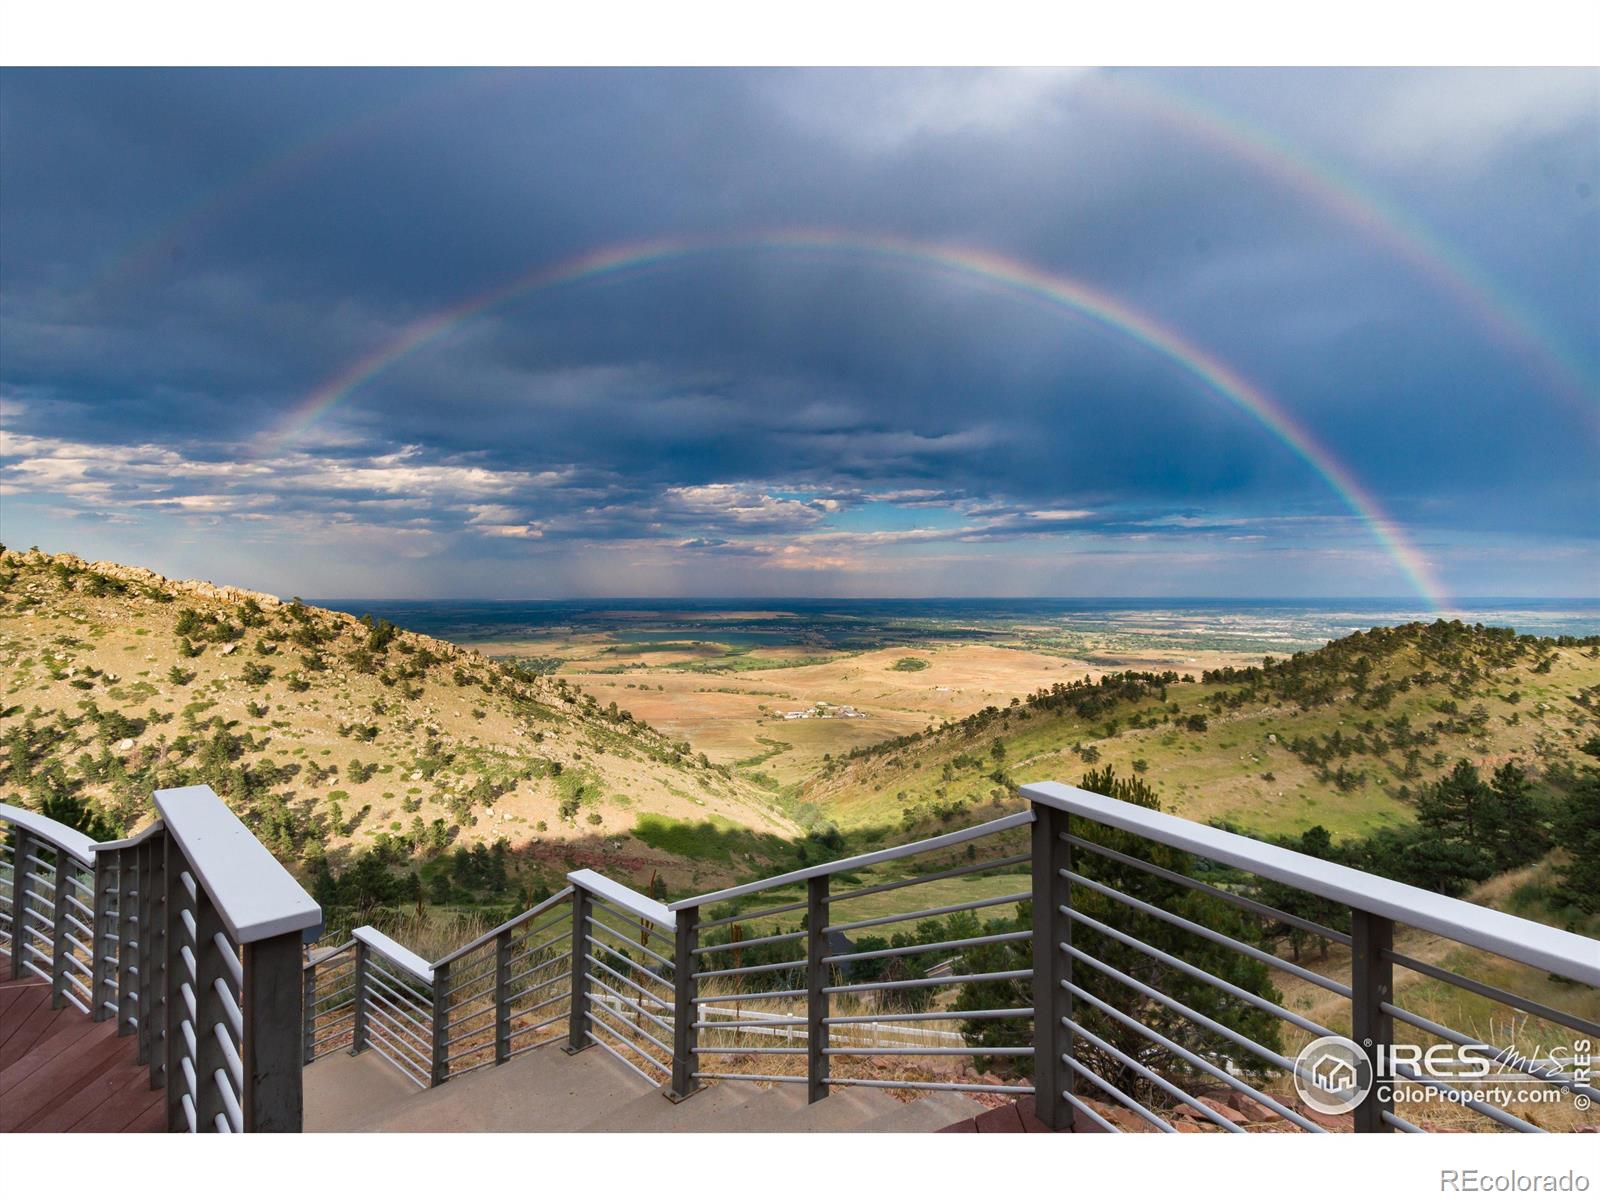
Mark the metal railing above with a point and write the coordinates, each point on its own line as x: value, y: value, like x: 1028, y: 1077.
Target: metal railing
x: 1110, y: 877
x: 189, y: 935
x: 1054, y: 913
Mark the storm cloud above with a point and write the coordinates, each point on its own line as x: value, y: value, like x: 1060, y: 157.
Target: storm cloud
x: 1404, y: 262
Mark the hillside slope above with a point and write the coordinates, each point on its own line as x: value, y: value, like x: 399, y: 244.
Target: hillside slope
x: 1341, y: 737
x: 330, y: 734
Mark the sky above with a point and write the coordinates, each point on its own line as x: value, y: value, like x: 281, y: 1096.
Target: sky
x: 913, y: 332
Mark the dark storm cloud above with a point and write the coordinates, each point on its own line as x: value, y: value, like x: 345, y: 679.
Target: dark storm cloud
x: 185, y: 257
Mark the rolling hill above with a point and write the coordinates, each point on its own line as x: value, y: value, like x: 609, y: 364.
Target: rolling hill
x: 332, y: 736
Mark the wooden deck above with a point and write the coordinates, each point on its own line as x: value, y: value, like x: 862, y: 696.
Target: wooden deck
x: 61, y: 1072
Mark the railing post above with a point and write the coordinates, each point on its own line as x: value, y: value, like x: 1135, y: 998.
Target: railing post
x: 107, y: 868
x: 1051, y: 1002
x: 1372, y: 986
x: 130, y: 894
x: 685, y: 1063
x: 273, y: 1100
x: 60, y: 948
x: 441, y: 1024
x: 19, y: 900
x: 816, y: 980
x: 578, y: 1017
x: 308, y: 1011
x: 502, y: 996
x: 358, y: 1026
x: 153, y: 958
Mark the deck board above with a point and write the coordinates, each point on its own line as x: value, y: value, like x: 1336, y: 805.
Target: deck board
x: 61, y: 1072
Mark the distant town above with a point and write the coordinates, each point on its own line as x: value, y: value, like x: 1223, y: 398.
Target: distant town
x: 823, y: 711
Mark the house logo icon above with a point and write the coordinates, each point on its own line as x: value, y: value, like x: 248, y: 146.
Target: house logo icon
x: 1333, y: 1075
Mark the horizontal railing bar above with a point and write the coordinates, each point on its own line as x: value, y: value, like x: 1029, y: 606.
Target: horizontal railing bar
x: 545, y: 1024
x: 1521, y: 940
x: 649, y: 1058
x: 918, y: 1085
x: 1497, y: 1115
x: 230, y: 959
x: 532, y: 950
x: 1400, y: 1123
x: 1521, y: 1066
x: 1210, y: 935
x: 514, y: 1013
x: 884, y: 985
x: 486, y: 938
x: 634, y: 984
x: 753, y: 915
x: 968, y: 1014
x: 933, y: 1051
x: 1490, y: 992
x: 1084, y: 1108
x: 990, y: 939
x: 1178, y: 964
x: 895, y: 885
x: 456, y: 985
x: 459, y: 1001
x: 862, y: 861
x: 231, y: 1119
x: 969, y: 906
x: 729, y: 947
x: 385, y: 1001
x: 782, y: 966
x: 1145, y: 1072
x: 231, y: 1054
x: 639, y: 1008
x: 617, y: 1016
x: 564, y: 970
x: 730, y: 1050
x: 632, y: 966
x: 1208, y: 889
x: 376, y: 969
x: 1180, y: 1008
x: 741, y: 997
x: 381, y: 1018
x: 72, y: 998
x: 1118, y: 1094
x: 640, y: 946
x: 457, y: 1053
x: 619, y: 1057
x: 749, y: 1078
x: 399, y: 1060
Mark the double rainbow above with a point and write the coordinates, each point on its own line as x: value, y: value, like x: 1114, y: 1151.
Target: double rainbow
x: 1056, y: 291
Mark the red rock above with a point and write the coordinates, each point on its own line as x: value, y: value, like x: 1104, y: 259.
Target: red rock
x: 1251, y: 1110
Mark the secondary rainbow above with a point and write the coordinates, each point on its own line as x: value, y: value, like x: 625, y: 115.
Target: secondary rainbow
x: 1512, y: 324
x: 983, y: 266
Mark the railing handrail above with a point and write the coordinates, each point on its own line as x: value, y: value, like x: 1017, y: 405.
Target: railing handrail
x: 79, y: 845
x: 859, y: 861
x: 637, y: 903
x: 484, y: 939
x: 254, y: 895
x: 1565, y: 953
x: 154, y: 829
x: 385, y: 945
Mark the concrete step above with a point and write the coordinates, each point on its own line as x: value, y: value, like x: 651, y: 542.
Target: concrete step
x: 550, y: 1091
x: 926, y: 1114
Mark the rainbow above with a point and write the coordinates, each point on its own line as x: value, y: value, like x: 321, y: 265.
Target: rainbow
x: 1512, y: 324
x: 1023, y: 279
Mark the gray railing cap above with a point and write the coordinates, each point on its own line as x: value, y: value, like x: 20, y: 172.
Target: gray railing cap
x: 637, y: 903
x: 255, y: 896
x: 1557, y: 950
x: 409, y: 960
x: 79, y: 845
